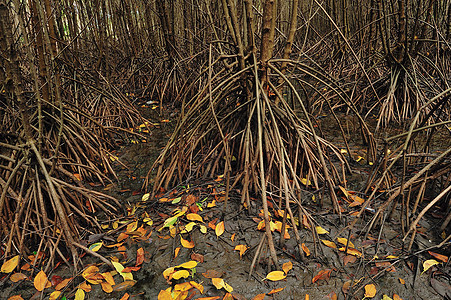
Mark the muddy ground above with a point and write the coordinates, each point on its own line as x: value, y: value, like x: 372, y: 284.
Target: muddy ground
x: 389, y: 275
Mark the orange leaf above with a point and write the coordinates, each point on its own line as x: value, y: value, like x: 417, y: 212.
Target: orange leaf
x: 125, y: 297
x: 275, y: 291
x: 62, y: 284
x: 276, y: 275
x: 106, y: 287
x: 370, y: 290
x: 194, y: 217
x: 139, y: 256
x: 15, y: 297
x: 306, y: 250
x: 241, y: 248
x: 197, y: 286
x: 322, y: 275
x: 41, y: 282
x: 176, y: 252
x: 439, y: 256
x: 349, y: 259
x: 109, y: 278
x: 130, y: 269
x: 18, y: 277
x: 124, y: 285
x: 186, y: 243
x: 9, y: 265
x: 232, y: 238
x: 287, y: 266
x: 259, y: 297
x: 207, y: 298
x: 402, y: 281
x: 305, y: 222
x: 219, y: 228
x: 85, y: 287
x: 396, y: 297
x: 182, y: 287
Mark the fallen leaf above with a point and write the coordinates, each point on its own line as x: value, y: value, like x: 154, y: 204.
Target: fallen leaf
x: 79, y: 294
x: 306, y: 250
x: 180, y: 274
x: 119, y: 267
x: 164, y: 295
x: 322, y: 275
x: 18, y: 277
x: 120, y: 287
x: 344, y: 241
x: 429, y: 263
x: 16, y: 297
x: 194, y: 217
x: 176, y: 252
x: 402, y: 281
x: 198, y: 286
x: 276, y: 275
x: 188, y: 265
x: 273, y: 291
x: 207, y: 298
x: 186, y: 244
x: 351, y: 251
x: 396, y: 297
x: 167, y: 273
x: 130, y: 269
x: 220, y: 283
x: 385, y: 297
x: 329, y: 244
x: 241, y: 248
x: 139, y: 256
x: 106, y: 287
x: 321, y: 230
x: 219, y: 230
x: 439, y: 256
x: 85, y: 287
x: 197, y: 257
x: 126, y: 296
x: 54, y: 295
x: 332, y: 296
x: 9, y: 265
x: 109, y: 278
x: 41, y: 282
x: 95, y: 247
x: 370, y: 290
x: 287, y: 266
x: 349, y: 259
x: 212, y: 274
x: 232, y: 238
x: 63, y: 284
x: 259, y: 297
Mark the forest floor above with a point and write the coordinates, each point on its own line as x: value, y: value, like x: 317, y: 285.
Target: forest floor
x: 155, y: 238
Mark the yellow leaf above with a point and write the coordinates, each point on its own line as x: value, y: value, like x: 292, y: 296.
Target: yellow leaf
x: 79, y: 294
x: 203, y: 229
x: 41, y: 282
x: 329, y: 244
x: 189, y: 226
x: 232, y: 238
x: 180, y: 274
x: 188, y: 265
x: 345, y: 192
x: 241, y: 248
x: 211, y: 204
x: 194, y: 217
x: 186, y: 244
x: 402, y: 281
x: 176, y: 252
x: 197, y: 286
x: 219, y: 228
x: 344, y: 241
x: 351, y: 251
x: 95, y: 247
x: 429, y: 263
x: 287, y: 266
x: 132, y: 227
x: 305, y: 182
x: 164, y: 295
x: 182, y: 287
x: 168, y: 272
x: 370, y: 290
x: 385, y: 297
x: 9, y: 265
x: 276, y: 275
x: 218, y: 282
x: 119, y: 267
x: 54, y: 295
x: 90, y: 271
x: 321, y: 230
x: 306, y: 250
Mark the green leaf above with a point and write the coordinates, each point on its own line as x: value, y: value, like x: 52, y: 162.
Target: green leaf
x: 96, y: 246
x: 176, y: 200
